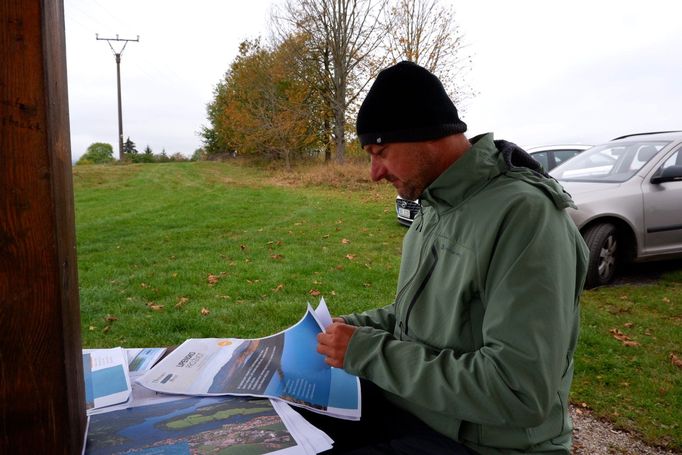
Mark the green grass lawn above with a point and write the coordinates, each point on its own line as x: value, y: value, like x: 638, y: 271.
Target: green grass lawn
x: 173, y: 251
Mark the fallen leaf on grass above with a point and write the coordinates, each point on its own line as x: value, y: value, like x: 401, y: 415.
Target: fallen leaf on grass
x: 204, y: 311
x: 623, y: 338
x: 213, y: 279
x: 106, y: 329
x: 675, y: 360
x: 629, y: 325
x: 314, y: 292
x: 278, y: 288
x: 243, y: 247
x: 277, y: 257
x: 345, y: 241
x: 92, y: 328
x: 109, y: 318
x: 155, y: 306
x: 350, y: 257
x: 181, y: 301
x: 666, y: 300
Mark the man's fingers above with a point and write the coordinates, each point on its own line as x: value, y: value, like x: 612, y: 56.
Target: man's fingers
x: 334, y: 342
x: 332, y: 356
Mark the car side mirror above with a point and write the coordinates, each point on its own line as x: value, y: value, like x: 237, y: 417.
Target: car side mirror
x: 669, y: 174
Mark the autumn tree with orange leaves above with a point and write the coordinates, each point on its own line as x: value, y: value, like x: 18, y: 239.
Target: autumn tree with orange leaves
x: 265, y: 106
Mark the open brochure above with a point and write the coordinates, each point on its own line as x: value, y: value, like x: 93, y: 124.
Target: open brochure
x: 174, y: 424
x: 286, y: 366
x: 109, y: 376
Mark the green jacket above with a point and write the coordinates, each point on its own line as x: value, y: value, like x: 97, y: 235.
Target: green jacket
x: 479, y: 341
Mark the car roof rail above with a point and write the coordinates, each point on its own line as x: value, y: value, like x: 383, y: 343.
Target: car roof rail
x: 644, y: 134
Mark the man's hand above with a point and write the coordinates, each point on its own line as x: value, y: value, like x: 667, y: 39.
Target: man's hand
x: 333, y: 344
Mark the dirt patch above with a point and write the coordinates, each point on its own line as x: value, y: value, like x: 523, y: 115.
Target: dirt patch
x: 646, y: 272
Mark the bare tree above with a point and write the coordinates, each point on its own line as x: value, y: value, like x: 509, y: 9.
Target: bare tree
x: 425, y: 32
x: 343, y: 36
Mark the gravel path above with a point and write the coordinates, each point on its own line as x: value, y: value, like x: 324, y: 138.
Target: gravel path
x: 595, y: 437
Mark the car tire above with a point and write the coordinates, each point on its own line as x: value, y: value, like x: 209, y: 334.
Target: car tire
x: 602, y: 241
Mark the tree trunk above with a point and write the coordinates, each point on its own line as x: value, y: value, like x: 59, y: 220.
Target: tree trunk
x: 328, y: 135
x: 339, y: 136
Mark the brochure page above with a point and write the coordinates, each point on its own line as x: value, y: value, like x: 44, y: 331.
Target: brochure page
x: 286, y: 366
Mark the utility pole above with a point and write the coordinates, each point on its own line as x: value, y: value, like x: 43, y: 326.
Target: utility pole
x: 118, y: 81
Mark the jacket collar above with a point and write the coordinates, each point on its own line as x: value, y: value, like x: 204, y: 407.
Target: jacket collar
x: 466, y: 176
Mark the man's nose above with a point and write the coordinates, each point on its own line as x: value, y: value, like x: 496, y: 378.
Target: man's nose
x: 378, y: 171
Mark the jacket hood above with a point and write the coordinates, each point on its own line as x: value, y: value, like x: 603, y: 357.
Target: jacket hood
x: 520, y: 165
x: 486, y: 160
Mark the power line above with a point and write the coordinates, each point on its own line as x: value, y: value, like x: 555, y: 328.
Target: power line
x: 118, y: 81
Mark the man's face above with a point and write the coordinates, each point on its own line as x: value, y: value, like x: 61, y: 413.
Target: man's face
x: 409, y: 166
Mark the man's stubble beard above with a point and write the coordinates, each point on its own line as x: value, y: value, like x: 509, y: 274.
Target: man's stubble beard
x: 423, y: 177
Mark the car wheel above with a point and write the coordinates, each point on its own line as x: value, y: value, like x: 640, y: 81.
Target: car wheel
x: 602, y: 242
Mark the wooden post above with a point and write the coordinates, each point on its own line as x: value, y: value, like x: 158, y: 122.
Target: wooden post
x: 41, y: 372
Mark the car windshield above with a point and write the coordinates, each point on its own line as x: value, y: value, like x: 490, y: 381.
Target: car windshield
x: 611, y: 162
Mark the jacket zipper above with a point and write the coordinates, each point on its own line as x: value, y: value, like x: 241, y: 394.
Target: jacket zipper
x: 420, y: 289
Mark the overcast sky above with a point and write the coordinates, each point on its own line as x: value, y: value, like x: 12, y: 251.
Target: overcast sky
x: 545, y: 72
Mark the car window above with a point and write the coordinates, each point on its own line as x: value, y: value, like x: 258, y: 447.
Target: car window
x: 674, y: 160
x: 611, y: 162
x: 643, y: 154
x: 542, y: 158
x: 562, y: 155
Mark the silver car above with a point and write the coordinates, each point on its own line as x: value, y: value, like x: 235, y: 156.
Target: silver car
x: 550, y: 156
x: 629, y: 197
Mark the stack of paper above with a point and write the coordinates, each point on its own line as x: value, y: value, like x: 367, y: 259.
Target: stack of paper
x: 124, y: 416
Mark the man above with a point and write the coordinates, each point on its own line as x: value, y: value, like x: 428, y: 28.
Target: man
x: 476, y: 352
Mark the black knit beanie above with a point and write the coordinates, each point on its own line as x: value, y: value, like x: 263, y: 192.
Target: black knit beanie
x: 406, y: 103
